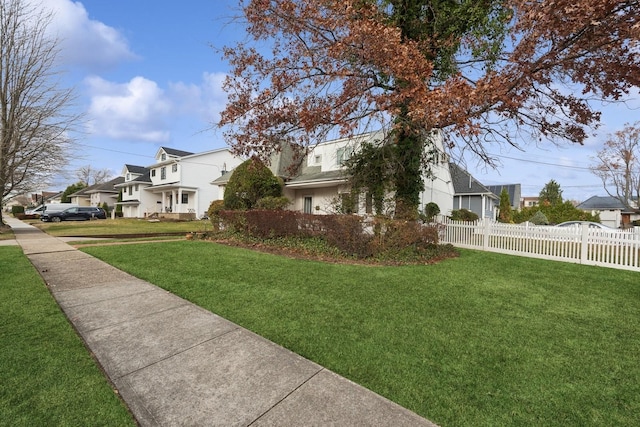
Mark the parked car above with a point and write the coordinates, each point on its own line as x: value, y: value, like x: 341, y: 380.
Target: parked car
x: 578, y: 224
x: 82, y: 213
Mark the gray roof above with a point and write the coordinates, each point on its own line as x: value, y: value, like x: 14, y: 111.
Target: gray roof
x: 514, y: 191
x: 602, y: 202
x: 105, y: 187
x: 136, y: 169
x: 464, y: 183
x: 316, y: 176
x: 145, y: 177
x: 174, y: 152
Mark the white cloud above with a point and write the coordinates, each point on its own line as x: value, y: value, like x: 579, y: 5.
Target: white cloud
x: 206, y: 100
x: 136, y: 110
x: 83, y: 41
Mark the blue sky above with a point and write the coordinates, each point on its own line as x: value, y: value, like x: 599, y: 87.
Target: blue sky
x: 147, y: 76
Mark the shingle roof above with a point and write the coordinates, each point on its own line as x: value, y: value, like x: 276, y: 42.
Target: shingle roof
x: 464, y: 183
x: 105, y: 187
x: 602, y: 202
x: 174, y: 152
x: 136, y: 169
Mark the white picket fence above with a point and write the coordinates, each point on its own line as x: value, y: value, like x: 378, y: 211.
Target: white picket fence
x: 583, y: 245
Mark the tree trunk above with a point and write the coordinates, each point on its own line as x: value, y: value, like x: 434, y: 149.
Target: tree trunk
x: 408, y: 176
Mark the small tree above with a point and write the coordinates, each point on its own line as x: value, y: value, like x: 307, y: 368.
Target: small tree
x: 551, y: 194
x: 250, y: 182
x: 73, y: 188
x: 431, y: 209
x: 505, y: 207
x: 118, y: 205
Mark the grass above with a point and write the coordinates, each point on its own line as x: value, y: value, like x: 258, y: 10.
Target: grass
x: 484, y: 339
x: 47, y: 377
x: 120, y: 226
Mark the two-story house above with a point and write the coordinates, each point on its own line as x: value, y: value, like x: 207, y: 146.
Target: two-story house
x: 136, y: 202
x: 322, y: 183
x: 319, y: 184
x: 181, y: 181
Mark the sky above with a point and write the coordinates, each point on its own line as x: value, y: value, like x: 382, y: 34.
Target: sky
x: 148, y: 74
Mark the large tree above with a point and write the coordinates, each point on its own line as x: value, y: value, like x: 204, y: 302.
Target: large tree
x: 485, y: 71
x: 618, y: 164
x: 34, y: 107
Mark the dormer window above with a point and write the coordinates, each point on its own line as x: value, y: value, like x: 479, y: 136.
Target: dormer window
x: 163, y: 157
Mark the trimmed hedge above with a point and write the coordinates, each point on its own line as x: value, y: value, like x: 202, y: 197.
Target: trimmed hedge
x: 353, y: 235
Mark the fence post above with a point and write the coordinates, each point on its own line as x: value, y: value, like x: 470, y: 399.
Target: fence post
x: 485, y: 237
x: 584, y: 249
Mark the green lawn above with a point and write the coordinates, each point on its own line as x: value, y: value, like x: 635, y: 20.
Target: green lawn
x: 118, y: 226
x: 47, y: 377
x: 484, y: 339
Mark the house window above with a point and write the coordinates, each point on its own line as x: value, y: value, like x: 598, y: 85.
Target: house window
x: 153, y: 172
x: 185, y: 198
x: 343, y: 154
x: 163, y: 157
x: 136, y: 187
x: 317, y: 159
x: 308, y: 205
x: 163, y: 173
x: 174, y: 167
x: 130, y: 189
x: 128, y: 177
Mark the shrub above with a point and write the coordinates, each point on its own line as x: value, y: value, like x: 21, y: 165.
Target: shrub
x: 105, y: 206
x: 250, y: 181
x: 463, y: 215
x: 345, y: 232
x: 15, y: 210
x: 273, y: 203
x: 214, y: 213
x: 539, y: 218
x: 431, y: 209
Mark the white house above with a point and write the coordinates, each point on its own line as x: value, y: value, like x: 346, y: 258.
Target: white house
x: 136, y: 202
x: 181, y: 181
x: 97, y: 194
x: 612, y: 212
x: 322, y: 183
x: 319, y: 184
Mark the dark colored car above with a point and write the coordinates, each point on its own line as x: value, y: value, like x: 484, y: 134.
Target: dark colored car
x: 82, y: 213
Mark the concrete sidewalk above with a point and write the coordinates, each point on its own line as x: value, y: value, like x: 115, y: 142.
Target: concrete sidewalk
x: 174, y: 363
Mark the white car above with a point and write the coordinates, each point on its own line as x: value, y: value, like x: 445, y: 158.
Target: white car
x: 578, y: 224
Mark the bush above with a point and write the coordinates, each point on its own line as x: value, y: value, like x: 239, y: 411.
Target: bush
x: 463, y: 215
x: 346, y: 233
x: 214, y: 213
x: 250, y: 181
x: 273, y: 203
x: 539, y: 218
x: 16, y: 210
x: 431, y: 209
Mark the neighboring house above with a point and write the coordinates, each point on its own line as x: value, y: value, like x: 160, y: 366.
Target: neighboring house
x: 97, y: 194
x: 529, y: 202
x: 319, y: 184
x: 513, y: 190
x: 612, y: 211
x: 181, y: 182
x: 471, y: 195
x: 136, y: 202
